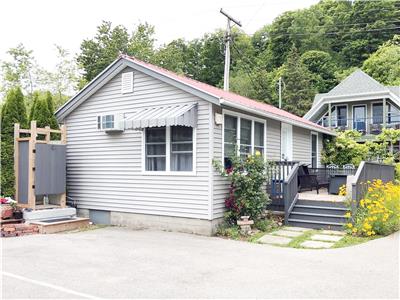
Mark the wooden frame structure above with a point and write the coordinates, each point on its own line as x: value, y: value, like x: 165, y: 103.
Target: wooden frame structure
x: 33, y: 132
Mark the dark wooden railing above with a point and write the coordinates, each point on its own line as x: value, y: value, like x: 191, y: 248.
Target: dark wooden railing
x: 368, y: 171
x: 323, y: 174
x: 277, y: 173
x: 290, y: 191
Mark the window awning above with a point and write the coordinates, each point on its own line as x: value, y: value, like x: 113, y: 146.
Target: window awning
x: 159, y: 116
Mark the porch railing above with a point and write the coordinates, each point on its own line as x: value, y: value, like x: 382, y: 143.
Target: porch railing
x: 323, y: 174
x: 370, y: 125
x: 368, y: 171
x: 278, y: 172
x: 290, y: 191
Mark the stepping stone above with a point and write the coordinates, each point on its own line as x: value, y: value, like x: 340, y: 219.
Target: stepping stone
x: 326, y: 238
x: 299, y: 229
x: 274, y: 239
x: 287, y: 233
x: 316, y: 244
x: 333, y: 232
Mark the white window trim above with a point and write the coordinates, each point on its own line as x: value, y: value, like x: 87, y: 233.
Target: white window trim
x: 389, y: 111
x: 366, y: 115
x: 316, y: 134
x: 335, y: 106
x: 244, y: 116
x: 168, y: 172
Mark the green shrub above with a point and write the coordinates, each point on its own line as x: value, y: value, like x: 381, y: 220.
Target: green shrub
x: 265, y: 225
x: 228, y: 230
x: 247, y: 196
x: 397, y: 172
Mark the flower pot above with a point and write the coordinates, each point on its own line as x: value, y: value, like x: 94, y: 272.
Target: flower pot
x: 18, y: 214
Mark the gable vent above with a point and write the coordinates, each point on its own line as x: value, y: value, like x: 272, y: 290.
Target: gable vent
x: 127, y: 83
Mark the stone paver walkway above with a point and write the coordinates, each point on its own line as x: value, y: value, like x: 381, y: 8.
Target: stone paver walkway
x: 321, y: 239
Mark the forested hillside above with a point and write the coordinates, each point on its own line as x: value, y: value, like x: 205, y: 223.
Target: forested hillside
x: 311, y: 49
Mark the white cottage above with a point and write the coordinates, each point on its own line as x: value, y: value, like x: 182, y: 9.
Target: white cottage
x: 141, y: 141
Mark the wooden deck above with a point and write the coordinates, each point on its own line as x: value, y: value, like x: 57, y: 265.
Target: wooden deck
x: 322, y: 196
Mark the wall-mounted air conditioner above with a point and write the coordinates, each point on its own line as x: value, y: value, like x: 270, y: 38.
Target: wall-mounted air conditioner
x: 113, y: 122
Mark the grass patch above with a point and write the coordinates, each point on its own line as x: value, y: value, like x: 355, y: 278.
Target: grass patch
x: 297, y: 241
x: 349, y: 240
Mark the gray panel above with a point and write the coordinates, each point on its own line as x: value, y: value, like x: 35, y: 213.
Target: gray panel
x: 50, y: 169
x: 99, y: 217
x: 23, y: 172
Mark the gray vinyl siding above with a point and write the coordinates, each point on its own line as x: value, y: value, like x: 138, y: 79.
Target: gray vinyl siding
x: 273, y: 147
x: 220, y: 184
x: 105, y: 170
x: 301, y: 145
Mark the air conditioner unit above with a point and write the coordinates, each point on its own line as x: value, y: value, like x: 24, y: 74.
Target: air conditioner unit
x: 111, y: 123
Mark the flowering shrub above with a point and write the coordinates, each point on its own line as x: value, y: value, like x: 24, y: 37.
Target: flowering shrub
x: 378, y: 212
x: 247, y: 196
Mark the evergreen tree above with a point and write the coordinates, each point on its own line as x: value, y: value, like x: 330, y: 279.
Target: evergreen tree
x: 41, y: 114
x: 13, y: 111
x: 35, y: 98
x: 298, y: 93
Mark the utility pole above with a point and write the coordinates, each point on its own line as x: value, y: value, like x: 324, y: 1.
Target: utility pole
x: 227, y: 47
x: 280, y: 81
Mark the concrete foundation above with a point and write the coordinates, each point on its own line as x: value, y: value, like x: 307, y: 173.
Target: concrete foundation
x: 167, y: 223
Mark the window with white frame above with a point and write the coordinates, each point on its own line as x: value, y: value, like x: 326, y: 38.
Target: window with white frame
x: 242, y: 136
x: 105, y: 121
x: 169, y: 149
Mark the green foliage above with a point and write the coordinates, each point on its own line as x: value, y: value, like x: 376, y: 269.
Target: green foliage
x: 298, y: 93
x: 247, y: 196
x: 397, y: 172
x: 344, y: 149
x: 13, y: 111
x: 97, y: 53
x: 384, y: 64
x: 43, y: 112
x: 229, y: 231
x: 265, y: 225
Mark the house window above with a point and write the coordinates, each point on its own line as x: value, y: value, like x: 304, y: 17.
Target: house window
x: 181, y: 148
x: 156, y: 156
x: 243, y: 136
x: 179, y: 141
x: 105, y: 121
x: 314, y: 150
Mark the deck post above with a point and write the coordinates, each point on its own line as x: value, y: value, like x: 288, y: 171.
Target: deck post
x: 384, y: 112
x: 330, y: 115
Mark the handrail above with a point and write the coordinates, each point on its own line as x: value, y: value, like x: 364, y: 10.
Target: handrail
x: 290, y: 191
x: 368, y: 171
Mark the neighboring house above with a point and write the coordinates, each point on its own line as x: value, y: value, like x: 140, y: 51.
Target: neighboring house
x: 141, y: 141
x: 359, y: 102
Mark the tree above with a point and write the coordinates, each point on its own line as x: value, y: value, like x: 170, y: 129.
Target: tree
x: 97, y: 53
x: 322, y: 68
x: 20, y: 70
x: 384, y: 64
x: 64, y: 80
x: 43, y: 112
x: 299, y: 93
x: 13, y: 111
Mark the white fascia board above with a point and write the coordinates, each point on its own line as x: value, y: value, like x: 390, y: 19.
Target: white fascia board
x: 276, y: 117
x: 350, y: 98
x: 89, y: 89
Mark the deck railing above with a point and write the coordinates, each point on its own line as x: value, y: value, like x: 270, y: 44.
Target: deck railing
x: 368, y: 171
x: 277, y: 174
x: 290, y: 191
x: 323, y: 174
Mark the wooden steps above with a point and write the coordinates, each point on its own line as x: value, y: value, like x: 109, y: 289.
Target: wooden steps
x: 59, y: 225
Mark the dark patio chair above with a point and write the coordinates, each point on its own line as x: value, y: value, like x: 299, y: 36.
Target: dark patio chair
x: 307, y: 180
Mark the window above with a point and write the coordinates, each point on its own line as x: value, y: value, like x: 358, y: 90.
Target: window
x: 314, y: 150
x: 338, y: 115
x: 156, y: 156
x: 245, y: 135
x: 181, y: 148
x: 179, y: 142
x: 105, y: 121
x: 341, y: 115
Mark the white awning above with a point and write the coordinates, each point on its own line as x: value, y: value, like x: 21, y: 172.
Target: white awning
x: 159, y: 116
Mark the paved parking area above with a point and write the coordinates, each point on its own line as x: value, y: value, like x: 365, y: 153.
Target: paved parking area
x: 121, y: 263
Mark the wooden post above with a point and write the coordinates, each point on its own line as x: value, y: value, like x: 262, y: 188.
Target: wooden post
x: 384, y: 112
x: 31, y: 166
x: 16, y: 160
x: 329, y: 115
x: 47, y: 134
x: 63, y: 197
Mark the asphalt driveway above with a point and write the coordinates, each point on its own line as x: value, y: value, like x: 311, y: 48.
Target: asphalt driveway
x: 121, y: 263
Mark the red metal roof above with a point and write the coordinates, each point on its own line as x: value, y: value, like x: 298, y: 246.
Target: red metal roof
x: 227, y: 96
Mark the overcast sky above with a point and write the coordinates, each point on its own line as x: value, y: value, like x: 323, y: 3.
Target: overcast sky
x: 39, y: 24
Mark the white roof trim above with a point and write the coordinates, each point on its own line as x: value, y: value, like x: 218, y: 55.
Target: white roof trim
x: 277, y: 117
x: 350, y: 98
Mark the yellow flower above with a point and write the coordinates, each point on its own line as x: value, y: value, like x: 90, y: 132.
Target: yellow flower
x: 349, y: 225
x: 347, y: 215
x: 354, y: 230
x: 258, y: 153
